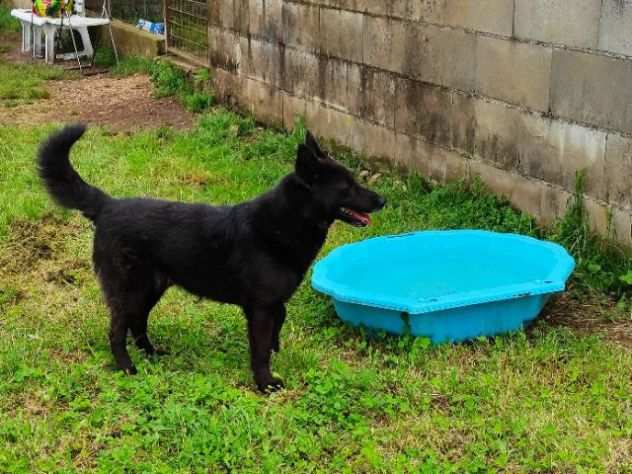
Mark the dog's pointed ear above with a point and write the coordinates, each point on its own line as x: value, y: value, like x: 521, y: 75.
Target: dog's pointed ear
x: 312, y: 144
x: 307, y: 164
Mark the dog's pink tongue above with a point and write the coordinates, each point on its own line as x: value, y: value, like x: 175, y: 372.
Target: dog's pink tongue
x: 361, y: 217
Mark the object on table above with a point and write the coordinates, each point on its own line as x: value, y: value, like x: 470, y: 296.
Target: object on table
x: 151, y: 27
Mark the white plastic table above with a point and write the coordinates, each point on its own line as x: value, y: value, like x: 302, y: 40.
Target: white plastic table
x: 48, y: 26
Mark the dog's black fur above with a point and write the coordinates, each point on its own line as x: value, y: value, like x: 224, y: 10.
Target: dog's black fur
x: 254, y: 254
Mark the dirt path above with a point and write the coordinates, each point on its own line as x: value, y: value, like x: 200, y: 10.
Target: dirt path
x: 120, y: 104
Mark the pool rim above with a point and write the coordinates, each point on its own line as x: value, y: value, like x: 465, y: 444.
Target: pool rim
x: 555, y: 281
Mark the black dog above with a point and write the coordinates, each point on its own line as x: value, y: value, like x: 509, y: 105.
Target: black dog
x: 254, y: 254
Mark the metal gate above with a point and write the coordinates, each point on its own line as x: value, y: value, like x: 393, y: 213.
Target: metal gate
x: 187, y: 29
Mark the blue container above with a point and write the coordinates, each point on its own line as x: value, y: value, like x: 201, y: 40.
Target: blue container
x: 447, y: 286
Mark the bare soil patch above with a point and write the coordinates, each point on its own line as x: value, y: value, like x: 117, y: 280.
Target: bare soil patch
x: 591, y: 315
x: 120, y: 104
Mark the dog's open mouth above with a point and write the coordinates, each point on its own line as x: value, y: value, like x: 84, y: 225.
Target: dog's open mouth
x: 355, y: 218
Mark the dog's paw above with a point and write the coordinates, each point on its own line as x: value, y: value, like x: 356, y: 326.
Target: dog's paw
x: 130, y: 370
x: 270, y: 386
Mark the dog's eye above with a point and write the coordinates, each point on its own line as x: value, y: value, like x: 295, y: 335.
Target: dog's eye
x: 345, y: 186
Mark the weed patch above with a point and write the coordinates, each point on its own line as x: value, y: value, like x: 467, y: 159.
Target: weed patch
x: 193, y: 92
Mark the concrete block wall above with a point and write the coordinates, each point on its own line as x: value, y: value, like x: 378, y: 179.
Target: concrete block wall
x: 523, y: 93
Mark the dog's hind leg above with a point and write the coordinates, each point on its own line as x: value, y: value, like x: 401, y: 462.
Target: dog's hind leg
x: 130, y: 291
x: 130, y: 311
x: 279, y: 319
x: 138, y: 326
x: 121, y: 303
x: 118, y: 339
x: 261, y: 330
x: 138, y: 321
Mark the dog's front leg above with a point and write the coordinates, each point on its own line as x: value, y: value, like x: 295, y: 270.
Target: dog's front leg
x: 279, y: 319
x: 261, y: 330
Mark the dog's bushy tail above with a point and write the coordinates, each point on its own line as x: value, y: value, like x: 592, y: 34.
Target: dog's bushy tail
x: 62, y: 181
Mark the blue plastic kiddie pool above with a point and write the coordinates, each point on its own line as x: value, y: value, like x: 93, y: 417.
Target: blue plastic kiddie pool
x: 447, y: 286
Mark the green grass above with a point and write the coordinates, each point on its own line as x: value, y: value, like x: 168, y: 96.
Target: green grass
x: 132, y: 65
x: 25, y: 83
x: 127, y: 66
x: 8, y: 24
x: 193, y: 92
x: 552, y: 401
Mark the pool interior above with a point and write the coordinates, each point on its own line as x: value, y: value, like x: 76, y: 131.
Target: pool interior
x: 425, y: 268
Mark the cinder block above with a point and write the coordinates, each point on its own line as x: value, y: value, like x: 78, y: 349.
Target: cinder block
x: 442, y: 56
x: 222, y: 14
x: 571, y: 23
x: 622, y: 225
x: 371, y: 140
x: 406, y: 152
x: 598, y: 217
x: 227, y: 86
x: 378, y: 43
x: 512, y: 139
x: 338, y: 84
x: 266, y: 19
x: 391, y: 8
x: 379, y: 7
x: 438, y: 55
x: 241, y: 16
x: 577, y: 149
x: 447, y: 165
x: 593, y: 89
x: 407, y: 100
x: 224, y: 49
x: 294, y: 108
x: 261, y: 60
x: 301, y: 75
x: 432, y: 161
x: 380, y: 139
x: 618, y: 170
x: 525, y: 194
x: 352, y: 5
x: 357, y: 90
x: 214, y: 16
x: 441, y: 116
x: 341, y: 34
x: 554, y: 204
x: 615, y: 32
x: 263, y: 101
x: 255, y: 10
x: 537, y: 147
x: 378, y: 97
x: 301, y: 25
x: 517, y: 73
x: 406, y: 9
x: 344, y: 128
x: 491, y: 16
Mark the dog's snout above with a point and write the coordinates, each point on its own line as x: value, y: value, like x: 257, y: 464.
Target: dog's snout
x: 380, y: 202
